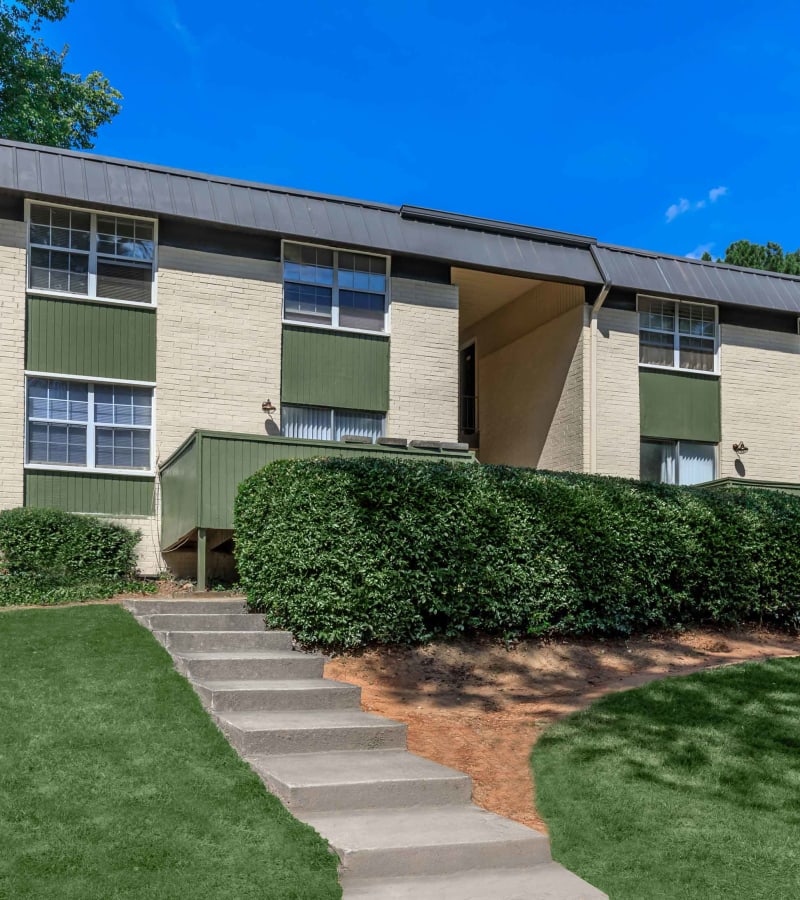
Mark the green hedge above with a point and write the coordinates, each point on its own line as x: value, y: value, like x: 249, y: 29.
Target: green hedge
x: 49, y: 556
x: 349, y: 552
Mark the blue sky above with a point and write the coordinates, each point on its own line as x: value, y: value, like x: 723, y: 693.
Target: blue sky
x: 668, y: 126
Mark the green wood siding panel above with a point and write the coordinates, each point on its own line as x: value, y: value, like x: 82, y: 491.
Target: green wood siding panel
x: 180, y: 493
x: 679, y: 405
x: 87, y: 492
x: 199, y: 481
x: 334, y: 368
x: 94, y: 339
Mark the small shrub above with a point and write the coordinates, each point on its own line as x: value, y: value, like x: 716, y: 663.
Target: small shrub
x: 49, y: 556
x: 350, y: 552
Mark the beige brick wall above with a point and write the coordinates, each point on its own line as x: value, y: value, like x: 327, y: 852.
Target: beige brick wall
x: 530, y: 379
x: 148, y: 551
x: 617, y: 374
x: 219, y: 344
x: 760, y: 383
x: 12, y: 362
x: 423, y: 368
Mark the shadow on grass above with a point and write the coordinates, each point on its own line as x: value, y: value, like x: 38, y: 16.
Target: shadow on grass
x: 685, y: 788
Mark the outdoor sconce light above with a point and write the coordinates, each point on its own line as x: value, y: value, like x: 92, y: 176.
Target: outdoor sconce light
x: 268, y: 407
x: 739, y: 448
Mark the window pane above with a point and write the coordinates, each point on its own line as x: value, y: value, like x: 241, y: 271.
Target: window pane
x: 120, y: 405
x: 312, y: 265
x: 59, y: 270
x: 656, y: 349
x: 657, y: 314
x: 362, y: 273
x: 122, y: 448
x: 125, y: 238
x: 306, y: 422
x: 363, y: 424
x: 657, y: 461
x: 697, y: 462
x: 358, y: 310
x: 307, y: 303
x: 697, y: 354
x: 696, y: 320
x: 120, y: 281
x: 64, y: 401
x: 59, y: 444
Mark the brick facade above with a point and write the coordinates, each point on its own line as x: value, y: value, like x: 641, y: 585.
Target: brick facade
x: 12, y: 362
x: 423, y: 367
x: 760, y: 375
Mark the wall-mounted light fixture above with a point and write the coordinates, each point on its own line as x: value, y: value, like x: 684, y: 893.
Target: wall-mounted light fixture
x: 268, y: 407
x: 739, y: 448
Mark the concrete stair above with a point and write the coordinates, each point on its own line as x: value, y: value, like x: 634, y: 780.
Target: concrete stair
x: 402, y: 826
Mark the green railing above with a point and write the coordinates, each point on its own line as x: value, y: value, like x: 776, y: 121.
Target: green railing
x: 200, y: 479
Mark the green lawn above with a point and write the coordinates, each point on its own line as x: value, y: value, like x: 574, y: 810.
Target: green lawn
x: 686, y: 788
x: 114, y: 783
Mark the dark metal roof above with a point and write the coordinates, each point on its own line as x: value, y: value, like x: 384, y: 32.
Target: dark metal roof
x: 677, y: 276
x: 466, y: 241
x: 86, y: 178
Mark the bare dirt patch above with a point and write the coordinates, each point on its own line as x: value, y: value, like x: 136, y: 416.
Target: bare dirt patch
x: 479, y: 707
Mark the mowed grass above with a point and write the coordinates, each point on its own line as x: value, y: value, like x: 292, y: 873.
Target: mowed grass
x: 114, y: 783
x: 686, y: 788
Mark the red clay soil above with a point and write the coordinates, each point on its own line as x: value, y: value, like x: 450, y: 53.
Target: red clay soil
x: 479, y: 708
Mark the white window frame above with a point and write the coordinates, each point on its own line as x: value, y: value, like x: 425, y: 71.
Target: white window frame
x: 334, y: 323
x: 91, y: 426
x: 676, y: 344
x: 676, y: 443
x: 92, y: 256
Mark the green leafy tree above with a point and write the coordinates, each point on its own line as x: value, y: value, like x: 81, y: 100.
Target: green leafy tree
x: 770, y: 257
x: 39, y: 101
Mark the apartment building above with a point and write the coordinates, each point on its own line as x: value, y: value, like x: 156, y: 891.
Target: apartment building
x: 165, y: 333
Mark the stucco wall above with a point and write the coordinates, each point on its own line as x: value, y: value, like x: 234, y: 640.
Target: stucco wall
x: 219, y: 344
x: 530, y: 356
x: 760, y: 383
x: 617, y: 374
x: 423, y: 366
x: 12, y: 362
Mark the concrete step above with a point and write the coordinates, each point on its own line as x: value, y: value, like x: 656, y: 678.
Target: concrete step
x: 431, y: 840
x: 226, y: 665
x: 207, y: 641
x: 284, y: 694
x: 546, y: 882
x: 360, y: 780
x: 203, y: 622
x: 182, y: 607
x: 309, y: 731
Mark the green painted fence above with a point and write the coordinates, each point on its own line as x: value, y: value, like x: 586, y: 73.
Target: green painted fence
x: 98, y: 340
x: 199, y: 481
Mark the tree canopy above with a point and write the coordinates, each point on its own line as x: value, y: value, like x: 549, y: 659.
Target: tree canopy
x: 40, y: 102
x: 770, y: 257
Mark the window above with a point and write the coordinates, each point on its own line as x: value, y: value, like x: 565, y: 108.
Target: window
x: 677, y: 335
x: 335, y: 288
x: 92, y: 426
x: 91, y: 254
x: 677, y: 462
x: 321, y: 424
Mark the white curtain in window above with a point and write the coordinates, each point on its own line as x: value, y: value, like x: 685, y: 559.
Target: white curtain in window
x: 307, y: 423
x: 697, y: 462
x: 358, y: 423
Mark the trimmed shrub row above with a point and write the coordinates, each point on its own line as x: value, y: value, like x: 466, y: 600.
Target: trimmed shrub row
x: 346, y: 553
x: 49, y: 556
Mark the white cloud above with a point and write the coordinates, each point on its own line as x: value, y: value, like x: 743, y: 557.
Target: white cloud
x: 678, y: 209
x: 684, y: 205
x: 699, y: 251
